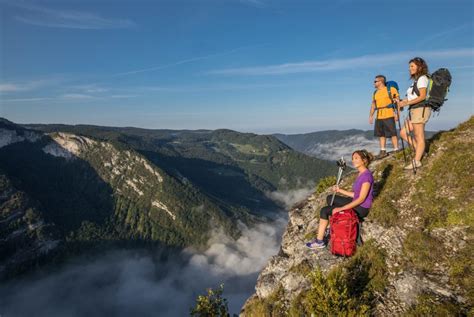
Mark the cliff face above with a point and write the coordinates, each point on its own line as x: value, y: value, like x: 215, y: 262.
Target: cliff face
x: 25, y: 238
x: 417, y: 256
x: 64, y: 192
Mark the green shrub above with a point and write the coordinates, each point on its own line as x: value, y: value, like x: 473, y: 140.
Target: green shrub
x: 271, y: 306
x: 258, y: 308
x: 325, y: 183
x: 329, y: 295
x: 211, y: 305
x: 347, y: 290
x: 368, y: 270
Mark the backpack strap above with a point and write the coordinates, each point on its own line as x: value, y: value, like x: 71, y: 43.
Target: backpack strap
x: 392, y: 105
x: 416, y: 91
x: 390, y: 94
x: 385, y: 107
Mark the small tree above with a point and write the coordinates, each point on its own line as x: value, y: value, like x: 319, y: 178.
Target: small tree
x: 212, y: 304
x: 325, y: 183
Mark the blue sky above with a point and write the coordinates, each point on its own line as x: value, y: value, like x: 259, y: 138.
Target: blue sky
x: 248, y: 65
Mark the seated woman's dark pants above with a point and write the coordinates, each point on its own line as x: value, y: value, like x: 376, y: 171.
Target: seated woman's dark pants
x: 340, y: 201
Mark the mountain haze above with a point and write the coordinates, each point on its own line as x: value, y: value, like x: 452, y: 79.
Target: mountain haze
x: 109, y: 186
x: 332, y: 144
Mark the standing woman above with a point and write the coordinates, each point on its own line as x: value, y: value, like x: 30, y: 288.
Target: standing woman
x: 360, y: 199
x: 419, y: 114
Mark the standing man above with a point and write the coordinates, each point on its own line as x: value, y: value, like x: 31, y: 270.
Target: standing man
x: 386, y: 116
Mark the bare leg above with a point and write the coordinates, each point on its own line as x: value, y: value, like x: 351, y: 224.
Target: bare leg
x: 408, y: 126
x: 419, y: 131
x: 382, y: 141
x: 395, y: 142
x: 323, y: 224
x: 403, y: 133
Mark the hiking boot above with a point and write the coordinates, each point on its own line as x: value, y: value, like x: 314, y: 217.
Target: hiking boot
x: 382, y: 154
x: 316, y: 244
x: 410, y: 166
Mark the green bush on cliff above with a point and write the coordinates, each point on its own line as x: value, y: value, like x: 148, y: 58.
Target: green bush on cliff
x: 211, y: 305
x: 271, y: 306
x: 329, y: 295
x: 348, y: 290
x: 325, y: 183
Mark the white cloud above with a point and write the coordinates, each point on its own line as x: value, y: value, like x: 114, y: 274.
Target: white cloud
x: 28, y: 99
x: 344, y: 147
x: 244, y: 256
x: 125, y: 283
x: 211, y: 87
x: 291, y: 197
x: 443, y: 34
x: 149, y: 69
x: 8, y: 87
x: 71, y: 97
x: 90, y: 88
x: 254, y: 3
x: 343, y: 63
x: 41, y: 16
x: 76, y: 96
x: 122, y: 96
x: 186, y: 61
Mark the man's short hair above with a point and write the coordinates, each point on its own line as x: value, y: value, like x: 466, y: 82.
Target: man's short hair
x: 383, y: 77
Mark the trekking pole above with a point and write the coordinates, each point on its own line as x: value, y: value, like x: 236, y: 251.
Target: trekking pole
x: 400, y: 127
x: 403, y: 143
x: 339, y: 174
x: 342, y: 166
x: 410, y: 142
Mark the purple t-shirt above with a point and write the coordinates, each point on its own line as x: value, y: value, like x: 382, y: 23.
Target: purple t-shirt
x: 365, y: 177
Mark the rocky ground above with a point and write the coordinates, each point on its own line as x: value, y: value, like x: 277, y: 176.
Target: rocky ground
x: 287, y: 272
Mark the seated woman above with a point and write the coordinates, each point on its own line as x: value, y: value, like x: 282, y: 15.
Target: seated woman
x: 360, y: 201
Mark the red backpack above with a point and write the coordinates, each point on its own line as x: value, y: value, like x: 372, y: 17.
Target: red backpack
x: 344, y: 232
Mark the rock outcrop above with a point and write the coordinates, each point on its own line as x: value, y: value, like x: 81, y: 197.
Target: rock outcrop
x: 422, y: 224
x: 25, y: 238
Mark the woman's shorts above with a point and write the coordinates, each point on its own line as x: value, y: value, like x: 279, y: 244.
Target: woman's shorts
x: 420, y: 115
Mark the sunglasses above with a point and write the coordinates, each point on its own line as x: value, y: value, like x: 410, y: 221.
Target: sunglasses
x: 417, y: 59
x: 362, y: 154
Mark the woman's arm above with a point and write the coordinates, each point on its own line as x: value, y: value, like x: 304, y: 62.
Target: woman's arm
x: 405, y: 102
x: 344, y: 192
x: 364, y: 191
